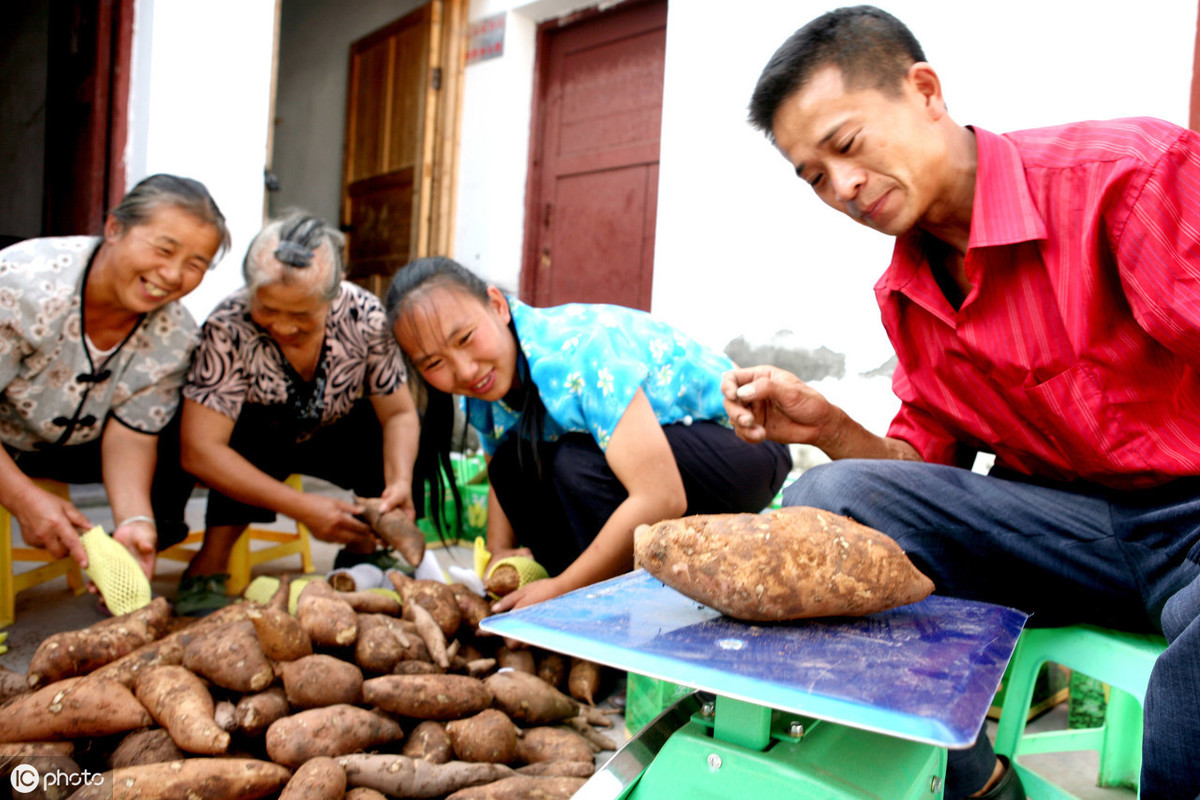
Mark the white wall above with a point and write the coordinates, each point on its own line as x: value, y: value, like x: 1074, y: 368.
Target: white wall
x: 199, y: 107
x: 771, y: 256
x: 742, y: 247
x: 314, y: 64
x: 493, y: 156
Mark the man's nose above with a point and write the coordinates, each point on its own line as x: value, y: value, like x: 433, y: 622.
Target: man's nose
x: 846, y: 180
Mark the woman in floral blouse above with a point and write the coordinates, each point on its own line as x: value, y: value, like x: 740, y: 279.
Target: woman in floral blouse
x: 296, y: 372
x: 596, y: 418
x: 93, y: 349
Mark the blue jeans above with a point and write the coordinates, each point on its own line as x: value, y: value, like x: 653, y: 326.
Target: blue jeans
x: 1065, y: 554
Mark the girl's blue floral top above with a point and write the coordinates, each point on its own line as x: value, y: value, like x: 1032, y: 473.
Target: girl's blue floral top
x: 589, y: 360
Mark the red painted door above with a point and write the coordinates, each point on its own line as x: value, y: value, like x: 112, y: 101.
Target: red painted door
x: 594, y: 172
x: 87, y: 99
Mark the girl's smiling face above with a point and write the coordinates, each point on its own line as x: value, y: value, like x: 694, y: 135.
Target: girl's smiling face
x: 459, y: 343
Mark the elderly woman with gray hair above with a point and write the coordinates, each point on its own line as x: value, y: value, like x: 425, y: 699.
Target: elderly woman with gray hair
x: 94, y: 346
x: 295, y: 372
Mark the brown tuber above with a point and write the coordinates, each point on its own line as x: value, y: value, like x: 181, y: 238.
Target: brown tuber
x: 439, y: 697
x: 400, y: 776
x: 74, y: 708
x: 523, y: 787
x: 584, y: 680
x: 548, y: 743
x: 280, y: 634
x: 78, y: 652
x: 231, y: 657
x: 254, y: 713
x: 429, y: 741
x: 395, y: 529
x: 488, y: 736
x: 326, y: 618
x: 330, y: 731
x: 150, y: 746
x: 790, y: 563
x: 504, y: 579
x: 193, y: 778
x: 320, y: 778
x: 180, y: 702
x: 321, y: 680
x: 529, y: 699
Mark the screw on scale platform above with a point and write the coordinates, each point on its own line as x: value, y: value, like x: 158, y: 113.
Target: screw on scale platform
x: 714, y: 761
x: 796, y: 729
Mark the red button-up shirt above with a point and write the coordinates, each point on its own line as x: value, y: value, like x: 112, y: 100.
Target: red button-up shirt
x: 1075, y: 354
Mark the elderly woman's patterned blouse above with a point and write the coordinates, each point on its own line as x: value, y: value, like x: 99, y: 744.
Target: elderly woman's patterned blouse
x: 54, y: 390
x: 238, y: 363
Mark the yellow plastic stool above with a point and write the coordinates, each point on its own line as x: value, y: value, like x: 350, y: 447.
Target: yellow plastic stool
x: 11, y: 583
x: 1121, y: 660
x: 243, y: 559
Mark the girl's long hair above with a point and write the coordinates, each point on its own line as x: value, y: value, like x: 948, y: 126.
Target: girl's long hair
x: 433, y: 466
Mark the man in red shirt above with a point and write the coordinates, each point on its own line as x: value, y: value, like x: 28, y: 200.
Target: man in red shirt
x: 1044, y: 304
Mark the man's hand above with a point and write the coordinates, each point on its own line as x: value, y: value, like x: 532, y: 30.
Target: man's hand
x: 770, y: 403
x: 331, y: 519
x: 141, y: 540
x: 52, y: 523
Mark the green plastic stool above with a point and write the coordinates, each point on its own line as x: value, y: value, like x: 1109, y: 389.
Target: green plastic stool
x: 1121, y: 660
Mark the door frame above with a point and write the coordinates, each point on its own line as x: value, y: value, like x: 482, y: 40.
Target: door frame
x: 434, y: 178
x: 99, y: 184
x: 533, y: 180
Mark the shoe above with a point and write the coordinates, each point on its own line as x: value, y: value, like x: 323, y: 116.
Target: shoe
x: 381, y: 558
x: 1008, y: 787
x: 200, y: 595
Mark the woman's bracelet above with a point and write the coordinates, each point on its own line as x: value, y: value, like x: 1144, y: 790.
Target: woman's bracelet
x: 137, y: 518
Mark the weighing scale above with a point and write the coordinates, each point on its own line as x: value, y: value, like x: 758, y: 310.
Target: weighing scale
x: 861, y: 707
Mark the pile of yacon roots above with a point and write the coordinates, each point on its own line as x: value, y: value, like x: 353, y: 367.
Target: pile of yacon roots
x: 346, y: 694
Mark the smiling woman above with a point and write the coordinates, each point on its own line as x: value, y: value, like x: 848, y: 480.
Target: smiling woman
x: 295, y: 373
x: 93, y: 349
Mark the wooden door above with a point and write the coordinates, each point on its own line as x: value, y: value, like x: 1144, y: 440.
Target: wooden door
x: 401, y: 126
x: 87, y: 98
x: 594, y: 161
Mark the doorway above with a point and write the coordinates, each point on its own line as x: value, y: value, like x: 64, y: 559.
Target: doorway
x: 65, y: 98
x: 402, y: 116
x: 593, y: 186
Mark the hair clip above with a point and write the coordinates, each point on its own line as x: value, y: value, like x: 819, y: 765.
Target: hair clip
x: 293, y: 254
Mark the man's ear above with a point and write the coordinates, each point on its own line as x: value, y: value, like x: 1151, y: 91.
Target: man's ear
x: 923, y: 81
x: 499, y: 304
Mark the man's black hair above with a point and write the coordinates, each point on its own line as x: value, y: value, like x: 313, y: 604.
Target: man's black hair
x: 872, y: 49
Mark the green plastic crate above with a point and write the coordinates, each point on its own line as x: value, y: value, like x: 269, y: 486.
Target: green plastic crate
x: 646, y: 698
x: 474, y: 503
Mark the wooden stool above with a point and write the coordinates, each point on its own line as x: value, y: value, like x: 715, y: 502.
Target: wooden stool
x: 11, y: 582
x: 243, y: 559
x: 1121, y: 660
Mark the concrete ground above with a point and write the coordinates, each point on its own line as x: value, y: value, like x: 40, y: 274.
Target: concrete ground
x: 51, y: 607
